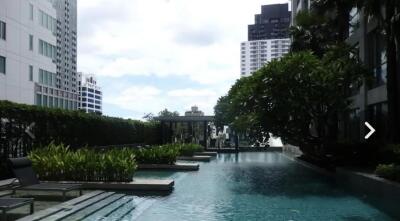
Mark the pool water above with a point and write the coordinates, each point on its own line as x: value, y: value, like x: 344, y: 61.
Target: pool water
x: 255, y: 186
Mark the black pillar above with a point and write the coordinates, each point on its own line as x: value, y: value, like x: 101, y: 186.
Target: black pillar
x: 170, y: 133
x: 162, y: 133
x: 205, y: 134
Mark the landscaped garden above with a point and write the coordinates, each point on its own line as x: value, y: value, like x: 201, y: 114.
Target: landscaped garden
x: 61, y: 163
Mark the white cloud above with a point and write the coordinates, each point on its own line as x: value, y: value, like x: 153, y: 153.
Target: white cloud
x: 141, y: 99
x: 194, y: 39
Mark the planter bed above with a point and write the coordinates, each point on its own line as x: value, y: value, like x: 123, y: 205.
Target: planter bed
x: 211, y: 154
x: 195, y: 158
x: 174, y: 167
x: 136, y: 184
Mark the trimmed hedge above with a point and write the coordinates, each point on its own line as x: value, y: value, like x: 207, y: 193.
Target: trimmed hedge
x: 76, y: 129
x: 165, y: 154
x: 59, y: 163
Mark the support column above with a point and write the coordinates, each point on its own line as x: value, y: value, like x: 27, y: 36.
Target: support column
x: 205, y: 134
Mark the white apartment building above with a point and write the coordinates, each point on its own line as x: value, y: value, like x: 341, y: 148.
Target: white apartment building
x: 90, y: 94
x: 28, y: 55
x: 255, y: 54
x: 27, y: 49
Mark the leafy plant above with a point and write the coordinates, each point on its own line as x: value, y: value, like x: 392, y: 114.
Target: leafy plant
x: 388, y: 171
x: 58, y: 162
x: 166, y: 154
x: 189, y: 149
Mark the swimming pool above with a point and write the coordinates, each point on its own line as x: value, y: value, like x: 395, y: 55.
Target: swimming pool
x: 246, y: 186
x: 256, y: 186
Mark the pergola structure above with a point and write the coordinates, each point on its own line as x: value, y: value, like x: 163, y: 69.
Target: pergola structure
x: 193, y: 129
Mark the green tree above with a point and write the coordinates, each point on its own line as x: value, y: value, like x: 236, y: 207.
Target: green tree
x: 167, y: 113
x: 299, y: 97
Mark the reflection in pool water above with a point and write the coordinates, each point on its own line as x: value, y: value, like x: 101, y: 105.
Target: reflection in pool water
x: 255, y: 186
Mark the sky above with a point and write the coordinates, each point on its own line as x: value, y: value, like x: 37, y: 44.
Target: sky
x: 149, y: 55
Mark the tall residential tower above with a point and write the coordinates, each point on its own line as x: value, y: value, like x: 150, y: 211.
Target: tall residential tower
x: 67, y: 48
x: 268, y: 38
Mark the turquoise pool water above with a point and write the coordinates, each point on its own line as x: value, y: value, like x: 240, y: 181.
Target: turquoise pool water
x: 248, y: 186
x: 256, y: 186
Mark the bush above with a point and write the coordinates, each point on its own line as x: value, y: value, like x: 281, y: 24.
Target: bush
x: 59, y: 163
x: 388, y: 171
x: 74, y: 128
x: 166, y: 154
x: 189, y: 149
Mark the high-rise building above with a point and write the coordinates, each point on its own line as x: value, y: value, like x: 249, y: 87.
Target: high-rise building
x: 67, y: 48
x: 268, y: 38
x: 90, y: 94
x: 255, y: 54
x: 28, y: 52
x: 36, y: 37
x: 272, y: 23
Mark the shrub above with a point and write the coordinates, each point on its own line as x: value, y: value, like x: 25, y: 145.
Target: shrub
x: 58, y: 162
x: 189, y: 149
x: 388, y: 171
x: 166, y: 154
x: 74, y: 128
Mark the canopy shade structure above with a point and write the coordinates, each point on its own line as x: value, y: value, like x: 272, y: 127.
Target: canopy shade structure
x: 193, y: 129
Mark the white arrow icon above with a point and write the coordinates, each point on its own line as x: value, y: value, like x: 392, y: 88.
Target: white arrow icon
x: 372, y: 130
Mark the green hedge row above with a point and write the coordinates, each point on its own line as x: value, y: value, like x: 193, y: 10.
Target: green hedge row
x: 75, y: 128
x: 165, y: 154
x: 59, y: 163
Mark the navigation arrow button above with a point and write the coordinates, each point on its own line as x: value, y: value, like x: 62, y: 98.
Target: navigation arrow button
x: 371, y: 130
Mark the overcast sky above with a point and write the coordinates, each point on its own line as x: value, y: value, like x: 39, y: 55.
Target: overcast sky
x: 154, y: 54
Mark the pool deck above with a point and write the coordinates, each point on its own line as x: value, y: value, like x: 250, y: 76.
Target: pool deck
x: 79, y: 208
x: 179, y: 166
x: 136, y: 184
x: 195, y: 158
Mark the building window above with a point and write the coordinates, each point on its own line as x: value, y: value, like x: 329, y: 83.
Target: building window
x: 47, y: 49
x: 30, y: 73
x: 44, y: 100
x: 50, y: 101
x: 377, y: 58
x: 48, y: 22
x: 2, y: 65
x: 3, y: 30
x: 31, y: 12
x: 47, y: 78
x: 31, y: 42
x: 38, y: 99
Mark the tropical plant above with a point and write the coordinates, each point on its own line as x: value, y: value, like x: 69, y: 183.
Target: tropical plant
x: 166, y: 154
x: 59, y: 163
x: 388, y: 171
x: 188, y: 149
